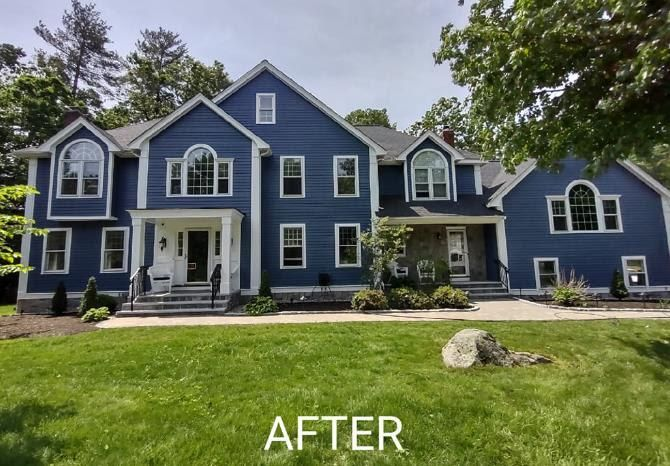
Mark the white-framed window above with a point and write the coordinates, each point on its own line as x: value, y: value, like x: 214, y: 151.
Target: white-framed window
x: 180, y: 244
x: 217, y: 243
x: 292, y: 177
x: 582, y: 209
x: 345, y: 175
x: 546, y: 272
x: 56, y: 250
x: 430, y: 176
x: 80, y: 170
x: 347, y: 245
x: 293, y: 248
x: 265, y: 109
x: 635, y: 271
x: 114, y: 249
x: 200, y: 172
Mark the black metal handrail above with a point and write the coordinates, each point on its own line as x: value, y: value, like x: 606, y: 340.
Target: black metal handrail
x: 503, y: 274
x: 215, y: 282
x: 138, y: 284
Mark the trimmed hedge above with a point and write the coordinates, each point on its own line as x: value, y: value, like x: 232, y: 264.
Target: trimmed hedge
x: 369, y: 300
x: 450, y: 297
x: 408, y: 298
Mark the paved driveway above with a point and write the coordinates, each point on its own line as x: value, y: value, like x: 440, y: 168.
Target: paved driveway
x: 500, y: 310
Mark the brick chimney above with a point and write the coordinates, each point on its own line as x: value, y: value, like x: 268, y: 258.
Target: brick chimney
x: 70, y: 115
x: 448, y: 136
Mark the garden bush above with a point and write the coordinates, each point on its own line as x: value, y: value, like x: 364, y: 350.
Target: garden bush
x: 449, y: 297
x: 570, y: 292
x: 110, y: 302
x: 265, y: 289
x: 402, y: 282
x: 95, y: 314
x: 259, y: 305
x: 90, y: 298
x: 369, y: 300
x: 59, y: 300
x: 618, y: 287
x: 408, y: 298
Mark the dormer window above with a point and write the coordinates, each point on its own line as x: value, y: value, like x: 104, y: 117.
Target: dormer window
x: 265, y: 109
x: 430, y: 179
x: 80, y: 170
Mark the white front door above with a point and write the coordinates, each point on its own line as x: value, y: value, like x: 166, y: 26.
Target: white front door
x: 457, y: 243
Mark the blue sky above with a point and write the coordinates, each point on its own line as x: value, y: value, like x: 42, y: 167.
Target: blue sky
x: 350, y: 54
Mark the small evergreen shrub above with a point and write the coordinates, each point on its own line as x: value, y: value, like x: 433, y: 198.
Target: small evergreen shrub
x: 570, y: 292
x: 618, y: 287
x: 259, y: 305
x: 95, y: 314
x: 369, y: 300
x: 407, y: 298
x: 59, y: 300
x: 110, y: 302
x: 265, y: 289
x: 449, y: 297
x: 442, y: 274
x: 90, y: 298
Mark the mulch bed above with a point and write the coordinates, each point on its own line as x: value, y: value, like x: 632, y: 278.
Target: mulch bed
x: 28, y: 326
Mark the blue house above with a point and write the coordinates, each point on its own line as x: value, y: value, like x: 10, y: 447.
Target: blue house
x: 266, y: 177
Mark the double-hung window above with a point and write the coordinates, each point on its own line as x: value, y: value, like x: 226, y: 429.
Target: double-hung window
x: 292, y: 246
x: 56, y: 258
x: 546, y: 272
x: 635, y: 271
x: 347, y: 245
x: 200, y: 173
x: 265, y: 109
x: 345, y: 171
x: 583, y: 209
x: 292, y: 182
x: 114, y: 249
x: 430, y: 176
x: 80, y: 170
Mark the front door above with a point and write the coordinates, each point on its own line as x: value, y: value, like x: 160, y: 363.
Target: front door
x: 197, y: 256
x: 457, y: 242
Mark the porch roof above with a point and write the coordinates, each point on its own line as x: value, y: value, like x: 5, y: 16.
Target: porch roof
x: 149, y: 214
x: 467, y: 206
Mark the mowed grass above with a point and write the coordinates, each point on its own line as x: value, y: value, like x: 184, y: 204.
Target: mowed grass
x: 7, y: 310
x: 209, y: 395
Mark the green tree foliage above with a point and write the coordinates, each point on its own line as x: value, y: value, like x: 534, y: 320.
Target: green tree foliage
x: 382, y: 244
x: 90, y: 298
x: 448, y: 112
x: 618, y: 287
x: 548, y: 78
x: 370, y: 116
x: 59, y: 300
x: 657, y: 163
x: 10, y: 57
x: 82, y: 49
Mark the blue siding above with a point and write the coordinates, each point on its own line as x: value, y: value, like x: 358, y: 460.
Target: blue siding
x: 428, y: 144
x: 78, y: 207
x: 593, y: 255
x: 302, y: 129
x: 390, y: 180
x: 465, y: 179
x: 202, y: 126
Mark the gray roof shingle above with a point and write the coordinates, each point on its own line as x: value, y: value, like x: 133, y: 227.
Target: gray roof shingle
x: 125, y: 134
x: 468, y: 205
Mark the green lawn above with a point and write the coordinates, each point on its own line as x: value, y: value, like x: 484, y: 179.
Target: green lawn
x: 7, y: 310
x: 209, y: 395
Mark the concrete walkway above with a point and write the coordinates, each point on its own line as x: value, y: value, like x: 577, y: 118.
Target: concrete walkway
x: 502, y: 310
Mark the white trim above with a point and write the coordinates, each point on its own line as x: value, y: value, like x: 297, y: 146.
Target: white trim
x: 267, y: 66
x: 53, y: 141
x: 68, y: 251
x: 445, y: 220
x: 126, y: 236
x: 624, y: 271
x: 337, y: 245
x: 479, y: 190
x: 453, y: 174
x: 282, y: 227
x: 501, y: 241
x: 256, y: 238
x: 447, y: 175
x: 374, y: 182
x: 336, y: 158
x: 496, y: 199
x: 62, y: 218
x: 110, y: 186
x: 281, y: 176
x: 665, y: 201
x: 184, y: 173
x: 466, y: 252
x: 138, y: 246
x: 406, y: 181
x: 143, y: 175
x: 183, y: 110
x: 184, y: 213
x: 536, y: 268
x: 29, y: 213
x: 80, y: 177
x: 645, y: 177
x: 310, y: 289
x: 441, y: 143
x: 258, y: 108
x: 472, y: 162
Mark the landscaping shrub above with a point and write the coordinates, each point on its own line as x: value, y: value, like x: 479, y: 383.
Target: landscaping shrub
x: 90, y: 298
x: 260, y: 305
x: 449, y: 297
x: 570, y: 292
x: 59, y: 300
x: 95, y: 314
x: 442, y: 274
x: 402, y: 282
x: 618, y: 287
x: 369, y: 300
x: 110, y: 302
x: 407, y: 298
x: 265, y: 289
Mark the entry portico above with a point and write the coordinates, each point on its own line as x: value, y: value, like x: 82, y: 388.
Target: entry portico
x: 191, y: 242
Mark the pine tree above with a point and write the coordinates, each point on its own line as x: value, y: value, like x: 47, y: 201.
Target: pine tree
x: 618, y: 287
x: 90, y: 298
x: 59, y: 300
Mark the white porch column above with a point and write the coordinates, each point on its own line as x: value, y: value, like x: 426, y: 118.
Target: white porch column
x: 501, y: 238
x: 226, y: 250
x: 255, y: 220
x: 137, y: 251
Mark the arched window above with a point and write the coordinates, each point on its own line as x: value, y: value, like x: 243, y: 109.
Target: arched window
x: 80, y: 170
x: 430, y: 176
x: 200, y: 173
x: 583, y: 210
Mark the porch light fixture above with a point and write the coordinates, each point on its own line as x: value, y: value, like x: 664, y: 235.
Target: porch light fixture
x: 163, y: 243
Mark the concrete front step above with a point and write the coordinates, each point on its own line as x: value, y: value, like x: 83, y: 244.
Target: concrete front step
x: 476, y: 285
x: 176, y: 305
x: 171, y: 312
x: 176, y: 297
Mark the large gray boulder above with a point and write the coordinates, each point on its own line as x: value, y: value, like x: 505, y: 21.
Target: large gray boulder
x: 473, y: 347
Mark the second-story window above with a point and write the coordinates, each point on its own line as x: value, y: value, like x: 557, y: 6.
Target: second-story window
x: 80, y: 170
x: 345, y: 168
x: 292, y: 183
x: 199, y: 173
x: 430, y: 177
x: 265, y: 109
x: 582, y: 209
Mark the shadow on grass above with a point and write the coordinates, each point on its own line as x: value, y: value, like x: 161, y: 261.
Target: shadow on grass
x: 657, y: 350
x: 20, y: 439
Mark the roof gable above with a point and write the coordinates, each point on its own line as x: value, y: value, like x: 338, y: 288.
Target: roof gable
x: 75, y: 126
x: 430, y: 136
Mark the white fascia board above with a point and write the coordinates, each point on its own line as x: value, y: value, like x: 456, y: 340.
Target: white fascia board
x: 471, y: 162
x: 496, y: 199
x: 457, y: 156
x: 446, y: 220
x: 184, y: 213
x: 645, y: 177
x: 80, y: 122
x: 267, y: 66
x: 187, y: 107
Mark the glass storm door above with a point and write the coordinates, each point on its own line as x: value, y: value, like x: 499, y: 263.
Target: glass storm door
x: 457, y: 243
x: 197, y: 257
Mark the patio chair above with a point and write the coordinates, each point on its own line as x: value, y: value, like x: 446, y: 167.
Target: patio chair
x: 426, y: 270
x: 161, y: 276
